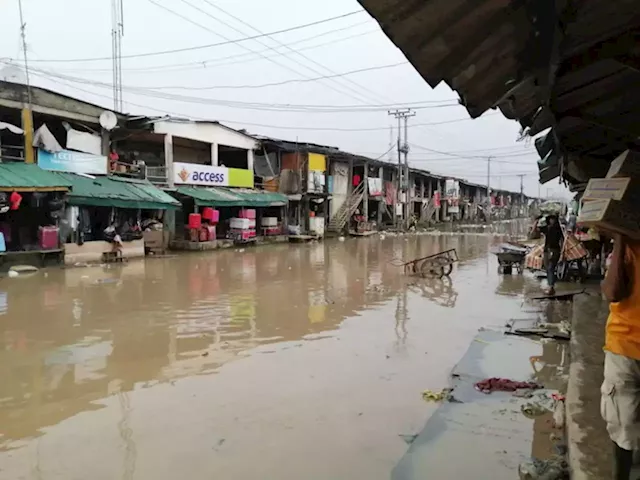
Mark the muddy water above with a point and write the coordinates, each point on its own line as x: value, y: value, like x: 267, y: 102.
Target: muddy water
x: 279, y: 362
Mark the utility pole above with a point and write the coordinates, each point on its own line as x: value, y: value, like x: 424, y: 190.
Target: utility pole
x: 403, y: 148
x: 117, y: 32
x: 521, y: 209
x: 489, y: 189
x: 27, y: 114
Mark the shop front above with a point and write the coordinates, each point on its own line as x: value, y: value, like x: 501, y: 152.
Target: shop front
x: 220, y: 207
x: 112, y: 218
x: 31, y: 206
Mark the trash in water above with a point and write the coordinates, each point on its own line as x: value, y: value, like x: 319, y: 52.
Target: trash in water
x: 553, y: 469
x: 533, y: 409
x: 503, y: 385
x: 408, y: 439
x: 444, y: 394
x: 558, y: 415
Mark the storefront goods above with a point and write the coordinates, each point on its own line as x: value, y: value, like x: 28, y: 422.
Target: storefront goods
x: 48, y: 237
x: 612, y: 188
x: 269, y: 221
x: 240, y: 223
x: 625, y: 165
x: 195, y: 220
x: 611, y: 215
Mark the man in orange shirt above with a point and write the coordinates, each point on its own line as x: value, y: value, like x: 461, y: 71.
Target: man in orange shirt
x: 620, y: 404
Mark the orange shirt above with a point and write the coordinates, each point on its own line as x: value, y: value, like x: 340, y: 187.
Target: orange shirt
x: 623, y: 325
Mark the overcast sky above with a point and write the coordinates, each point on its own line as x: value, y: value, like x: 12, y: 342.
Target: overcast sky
x: 177, y: 83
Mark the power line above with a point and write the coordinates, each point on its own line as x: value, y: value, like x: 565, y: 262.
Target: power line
x: 306, y: 57
x: 236, y: 59
x: 217, y: 33
x: 238, y: 104
x: 276, y: 84
x: 277, y: 127
x: 338, y: 87
x: 202, y: 47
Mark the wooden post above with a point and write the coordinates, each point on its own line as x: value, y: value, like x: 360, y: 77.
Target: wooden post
x: 365, y: 198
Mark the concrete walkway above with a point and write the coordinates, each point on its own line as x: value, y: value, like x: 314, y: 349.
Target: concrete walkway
x: 590, y: 450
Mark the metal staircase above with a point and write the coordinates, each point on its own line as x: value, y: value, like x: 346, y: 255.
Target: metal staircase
x: 348, y: 208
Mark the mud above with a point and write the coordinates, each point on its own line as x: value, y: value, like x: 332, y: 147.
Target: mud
x: 280, y: 362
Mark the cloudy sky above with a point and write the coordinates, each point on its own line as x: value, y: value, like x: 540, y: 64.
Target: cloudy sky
x: 331, y: 82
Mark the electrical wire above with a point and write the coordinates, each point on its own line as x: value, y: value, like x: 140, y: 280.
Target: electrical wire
x: 236, y: 59
x: 231, y: 103
x: 202, y: 47
x: 333, y: 84
x: 370, y: 93
x: 275, y: 84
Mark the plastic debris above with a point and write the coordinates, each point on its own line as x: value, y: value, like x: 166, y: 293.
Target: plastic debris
x: 558, y: 415
x: 444, y: 394
x: 409, y: 439
x: 533, y: 409
x: 553, y: 469
x: 503, y: 385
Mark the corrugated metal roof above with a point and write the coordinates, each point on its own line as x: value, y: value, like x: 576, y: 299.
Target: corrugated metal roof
x: 117, y: 192
x: 228, y: 197
x: 18, y: 176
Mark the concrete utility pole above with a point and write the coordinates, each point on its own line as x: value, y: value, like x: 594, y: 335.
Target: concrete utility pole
x: 521, y: 207
x: 403, y: 148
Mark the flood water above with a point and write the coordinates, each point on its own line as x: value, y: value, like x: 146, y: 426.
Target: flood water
x: 283, y: 362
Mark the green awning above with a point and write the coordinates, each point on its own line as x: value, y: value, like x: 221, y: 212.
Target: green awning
x: 232, y: 197
x: 29, y: 177
x: 117, y: 192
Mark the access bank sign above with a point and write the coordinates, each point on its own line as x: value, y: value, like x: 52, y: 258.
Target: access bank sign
x: 210, y: 176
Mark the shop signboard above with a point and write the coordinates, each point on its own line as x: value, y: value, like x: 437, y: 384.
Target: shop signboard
x: 210, y: 176
x: 72, y: 162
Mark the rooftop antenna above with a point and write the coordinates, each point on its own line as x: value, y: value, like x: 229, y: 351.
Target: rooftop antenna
x: 27, y: 116
x: 117, y: 32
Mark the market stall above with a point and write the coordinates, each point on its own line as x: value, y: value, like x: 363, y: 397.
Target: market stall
x: 107, y: 218
x: 31, y: 206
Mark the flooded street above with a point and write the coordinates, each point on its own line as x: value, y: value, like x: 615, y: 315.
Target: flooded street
x: 283, y: 362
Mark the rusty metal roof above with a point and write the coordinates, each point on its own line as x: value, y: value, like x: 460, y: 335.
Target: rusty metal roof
x: 567, y: 64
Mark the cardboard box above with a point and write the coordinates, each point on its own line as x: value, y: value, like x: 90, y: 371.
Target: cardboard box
x: 611, y: 215
x: 626, y: 165
x: 613, y: 189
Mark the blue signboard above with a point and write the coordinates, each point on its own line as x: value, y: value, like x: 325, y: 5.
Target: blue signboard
x: 72, y: 162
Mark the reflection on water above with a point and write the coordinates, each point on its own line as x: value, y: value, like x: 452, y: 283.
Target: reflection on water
x: 76, y: 341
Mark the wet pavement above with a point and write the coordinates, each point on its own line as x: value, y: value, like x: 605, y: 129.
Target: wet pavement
x: 285, y: 362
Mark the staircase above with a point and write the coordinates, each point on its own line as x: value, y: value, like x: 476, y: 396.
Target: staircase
x: 348, y: 208
x: 428, y: 209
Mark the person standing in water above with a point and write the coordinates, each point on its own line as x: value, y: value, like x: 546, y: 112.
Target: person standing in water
x: 620, y: 402
x: 553, y: 241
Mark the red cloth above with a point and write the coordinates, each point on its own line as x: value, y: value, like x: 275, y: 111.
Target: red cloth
x: 15, y: 199
x: 503, y: 385
x: 356, y: 180
x: 436, y: 199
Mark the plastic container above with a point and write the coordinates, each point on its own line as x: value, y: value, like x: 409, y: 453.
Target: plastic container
x: 216, y: 216
x: 211, y: 233
x: 207, y: 214
x: 48, y: 238
x: 3, y: 245
x: 269, y: 221
x: 252, y: 224
x: 195, y: 220
x: 240, y: 223
x: 248, y: 213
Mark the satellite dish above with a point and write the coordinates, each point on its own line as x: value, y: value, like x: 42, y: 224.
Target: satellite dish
x: 108, y: 120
